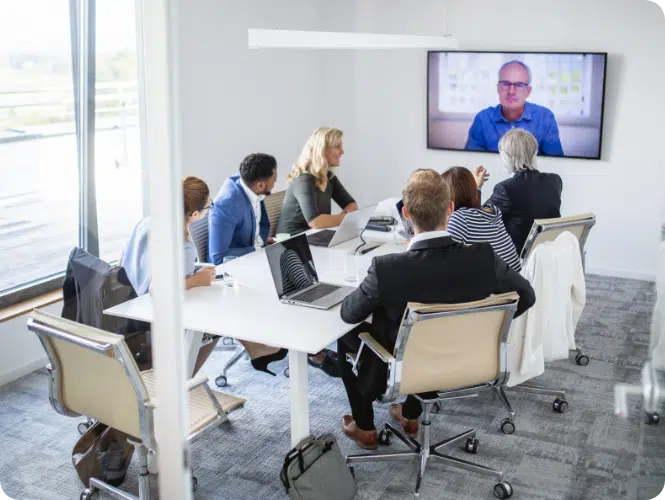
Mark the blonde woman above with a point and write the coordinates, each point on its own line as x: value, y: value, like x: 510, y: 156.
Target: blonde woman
x: 313, y: 186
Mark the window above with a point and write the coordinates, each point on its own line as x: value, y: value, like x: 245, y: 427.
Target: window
x: 69, y: 143
x: 117, y: 146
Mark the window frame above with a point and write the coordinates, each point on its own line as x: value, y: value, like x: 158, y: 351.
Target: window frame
x: 83, y: 34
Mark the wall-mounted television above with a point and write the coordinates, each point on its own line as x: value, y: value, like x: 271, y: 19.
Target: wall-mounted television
x: 473, y: 98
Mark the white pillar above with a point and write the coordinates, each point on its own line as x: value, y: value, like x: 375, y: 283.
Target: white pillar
x: 161, y: 152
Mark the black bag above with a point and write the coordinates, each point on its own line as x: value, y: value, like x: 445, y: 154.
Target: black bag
x: 316, y: 470
x: 103, y: 453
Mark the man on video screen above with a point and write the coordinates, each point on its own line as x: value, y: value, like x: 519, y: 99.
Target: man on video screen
x: 489, y: 125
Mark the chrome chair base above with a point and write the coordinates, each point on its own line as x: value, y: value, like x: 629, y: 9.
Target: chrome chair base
x: 144, y: 481
x: 221, y: 380
x: 424, y: 451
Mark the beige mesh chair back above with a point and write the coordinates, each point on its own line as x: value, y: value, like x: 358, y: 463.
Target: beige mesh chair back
x: 444, y: 348
x: 93, y: 373
x: 549, y: 229
x: 274, y: 208
x: 449, y: 346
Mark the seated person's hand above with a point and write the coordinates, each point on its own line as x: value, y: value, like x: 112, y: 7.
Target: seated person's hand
x: 270, y: 241
x: 481, y: 176
x: 204, y: 276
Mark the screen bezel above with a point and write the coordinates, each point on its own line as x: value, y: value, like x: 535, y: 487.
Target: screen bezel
x: 565, y: 157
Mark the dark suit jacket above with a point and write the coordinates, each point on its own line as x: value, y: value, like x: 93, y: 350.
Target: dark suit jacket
x: 436, y: 270
x: 527, y: 195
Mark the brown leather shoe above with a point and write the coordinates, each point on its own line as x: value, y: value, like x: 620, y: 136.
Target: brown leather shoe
x: 409, y: 426
x: 364, y: 439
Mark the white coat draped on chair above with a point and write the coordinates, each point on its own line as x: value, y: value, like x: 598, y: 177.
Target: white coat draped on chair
x: 546, y: 332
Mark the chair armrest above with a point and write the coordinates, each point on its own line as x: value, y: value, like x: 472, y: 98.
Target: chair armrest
x: 376, y: 348
x: 196, y: 381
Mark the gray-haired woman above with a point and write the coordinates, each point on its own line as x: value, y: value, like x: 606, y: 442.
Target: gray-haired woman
x: 528, y: 194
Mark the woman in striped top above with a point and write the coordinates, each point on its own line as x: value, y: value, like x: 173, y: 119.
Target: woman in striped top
x: 470, y: 223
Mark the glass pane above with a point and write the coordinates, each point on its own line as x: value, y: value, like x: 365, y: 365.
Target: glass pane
x: 39, y: 174
x: 117, y: 145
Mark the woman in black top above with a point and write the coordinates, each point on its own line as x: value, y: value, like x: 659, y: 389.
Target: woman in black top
x: 312, y: 186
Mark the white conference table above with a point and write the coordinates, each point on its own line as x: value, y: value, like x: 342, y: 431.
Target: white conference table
x: 251, y: 311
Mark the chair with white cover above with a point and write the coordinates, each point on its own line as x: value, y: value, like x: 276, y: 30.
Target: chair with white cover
x: 456, y: 350
x: 547, y: 230
x: 94, y: 374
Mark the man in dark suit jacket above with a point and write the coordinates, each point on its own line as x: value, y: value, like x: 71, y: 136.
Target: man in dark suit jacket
x: 528, y: 194
x: 434, y: 269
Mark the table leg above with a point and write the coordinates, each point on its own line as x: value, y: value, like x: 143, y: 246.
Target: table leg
x: 299, y: 396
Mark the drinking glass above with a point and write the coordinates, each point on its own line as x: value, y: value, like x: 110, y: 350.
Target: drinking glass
x: 351, y: 267
x: 228, y: 279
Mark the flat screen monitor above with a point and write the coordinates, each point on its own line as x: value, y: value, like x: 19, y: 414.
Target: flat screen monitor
x: 474, y: 98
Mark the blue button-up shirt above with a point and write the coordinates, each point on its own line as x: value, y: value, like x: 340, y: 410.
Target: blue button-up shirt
x: 489, y: 126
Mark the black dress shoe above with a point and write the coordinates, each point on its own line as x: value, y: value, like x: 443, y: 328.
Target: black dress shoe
x: 329, y: 364
x: 261, y: 364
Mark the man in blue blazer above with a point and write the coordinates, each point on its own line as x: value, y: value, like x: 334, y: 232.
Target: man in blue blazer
x: 238, y: 223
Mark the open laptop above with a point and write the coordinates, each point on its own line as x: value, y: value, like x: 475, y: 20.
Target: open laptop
x: 408, y: 227
x: 295, y: 276
x: 352, y: 225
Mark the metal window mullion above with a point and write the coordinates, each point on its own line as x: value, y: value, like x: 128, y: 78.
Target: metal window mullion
x: 88, y: 229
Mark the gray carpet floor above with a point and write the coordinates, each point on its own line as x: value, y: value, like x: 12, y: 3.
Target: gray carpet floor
x: 586, y: 453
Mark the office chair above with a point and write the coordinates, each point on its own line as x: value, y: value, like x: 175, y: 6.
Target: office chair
x: 433, y: 350
x: 90, y: 286
x: 547, y: 230
x: 94, y: 374
x: 274, y: 208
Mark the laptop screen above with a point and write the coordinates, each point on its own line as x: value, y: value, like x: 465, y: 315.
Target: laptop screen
x: 408, y: 228
x: 291, y: 265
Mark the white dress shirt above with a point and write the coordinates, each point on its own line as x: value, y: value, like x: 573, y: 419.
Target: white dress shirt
x: 255, y: 200
x: 428, y: 235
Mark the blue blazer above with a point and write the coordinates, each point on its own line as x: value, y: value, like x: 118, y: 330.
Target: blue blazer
x: 232, y: 224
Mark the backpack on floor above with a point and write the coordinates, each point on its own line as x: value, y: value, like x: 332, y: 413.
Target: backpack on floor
x: 316, y: 470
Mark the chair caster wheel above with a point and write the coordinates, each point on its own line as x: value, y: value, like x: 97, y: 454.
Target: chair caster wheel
x: 560, y: 405
x: 582, y: 359
x: 287, y: 372
x: 82, y: 428
x: 385, y: 437
x: 90, y: 494
x: 652, y: 418
x: 195, y: 483
x: 503, y: 490
x: 436, y: 408
x: 472, y: 445
x: 221, y: 381
x: 507, y: 427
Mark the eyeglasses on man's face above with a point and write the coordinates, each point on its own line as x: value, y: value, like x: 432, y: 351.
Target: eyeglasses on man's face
x: 505, y: 85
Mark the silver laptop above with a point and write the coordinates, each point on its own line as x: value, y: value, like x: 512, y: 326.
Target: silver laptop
x: 352, y: 225
x: 295, y: 277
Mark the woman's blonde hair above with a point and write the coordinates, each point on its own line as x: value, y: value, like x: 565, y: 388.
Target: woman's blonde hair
x: 312, y: 159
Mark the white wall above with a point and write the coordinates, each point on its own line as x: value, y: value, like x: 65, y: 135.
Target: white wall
x: 389, y: 108
x: 237, y: 101
x: 21, y: 351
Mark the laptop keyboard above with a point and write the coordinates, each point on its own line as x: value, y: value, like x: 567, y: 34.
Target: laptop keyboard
x: 321, y: 238
x: 315, y: 293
